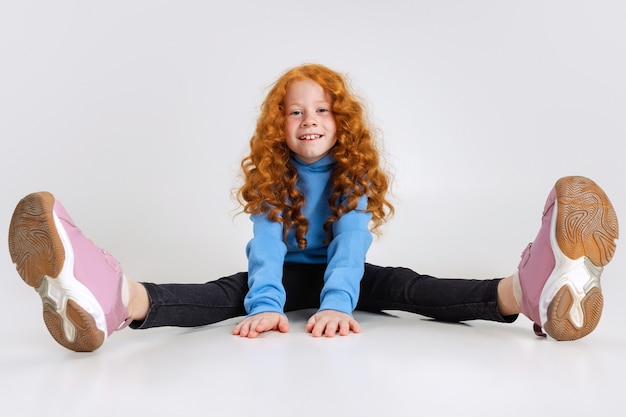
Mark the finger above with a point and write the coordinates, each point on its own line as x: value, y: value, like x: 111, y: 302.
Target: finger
x: 252, y: 327
x: 310, y: 324
x: 319, y: 328
x: 242, y: 328
x: 265, y: 324
x: 258, y: 325
x: 283, y: 324
x: 323, y: 327
x: 355, y: 326
x: 255, y: 328
x: 344, y: 327
x: 331, y: 328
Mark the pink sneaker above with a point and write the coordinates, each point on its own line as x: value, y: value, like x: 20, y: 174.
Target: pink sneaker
x: 560, y: 271
x: 80, y: 285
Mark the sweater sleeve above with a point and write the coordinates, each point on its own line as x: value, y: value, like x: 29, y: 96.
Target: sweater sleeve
x: 266, y: 255
x: 346, y: 260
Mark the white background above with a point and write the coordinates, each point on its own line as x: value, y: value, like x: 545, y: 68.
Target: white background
x: 136, y: 114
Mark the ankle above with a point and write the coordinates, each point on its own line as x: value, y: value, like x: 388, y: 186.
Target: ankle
x: 508, y: 304
x: 138, y: 303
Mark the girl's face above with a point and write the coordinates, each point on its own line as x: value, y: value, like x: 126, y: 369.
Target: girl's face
x: 309, y: 122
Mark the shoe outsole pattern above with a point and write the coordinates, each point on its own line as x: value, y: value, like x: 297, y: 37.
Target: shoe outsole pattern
x: 586, y: 227
x: 37, y: 252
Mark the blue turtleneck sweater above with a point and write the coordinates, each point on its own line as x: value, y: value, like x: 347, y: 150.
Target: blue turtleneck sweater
x: 267, y: 251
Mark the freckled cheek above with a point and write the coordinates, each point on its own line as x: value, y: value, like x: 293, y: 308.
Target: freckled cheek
x: 288, y: 129
x: 333, y: 131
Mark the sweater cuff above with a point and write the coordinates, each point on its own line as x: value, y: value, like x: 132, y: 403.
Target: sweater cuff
x: 263, y: 304
x: 339, y: 301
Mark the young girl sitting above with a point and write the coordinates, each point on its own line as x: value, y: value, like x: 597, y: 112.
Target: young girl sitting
x: 315, y: 190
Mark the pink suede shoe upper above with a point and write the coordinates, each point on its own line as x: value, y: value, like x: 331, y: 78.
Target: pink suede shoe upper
x: 98, y: 271
x: 537, y: 264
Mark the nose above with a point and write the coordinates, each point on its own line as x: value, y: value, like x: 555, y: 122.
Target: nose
x: 309, y: 120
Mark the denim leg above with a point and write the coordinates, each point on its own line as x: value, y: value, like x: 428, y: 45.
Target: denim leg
x: 445, y: 299
x: 189, y: 305
x: 382, y: 288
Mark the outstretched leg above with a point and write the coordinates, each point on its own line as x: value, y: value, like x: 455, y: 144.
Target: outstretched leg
x: 445, y: 299
x: 190, y: 305
x: 84, y: 293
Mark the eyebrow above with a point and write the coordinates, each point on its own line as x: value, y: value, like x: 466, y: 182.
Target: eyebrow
x: 317, y: 103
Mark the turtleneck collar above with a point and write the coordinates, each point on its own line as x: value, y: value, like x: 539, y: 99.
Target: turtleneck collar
x: 319, y: 165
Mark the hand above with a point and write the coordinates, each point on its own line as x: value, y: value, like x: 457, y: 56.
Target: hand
x: 328, y: 322
x: 254, y: 325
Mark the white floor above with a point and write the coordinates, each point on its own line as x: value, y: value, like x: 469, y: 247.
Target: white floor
x: 400, y: 365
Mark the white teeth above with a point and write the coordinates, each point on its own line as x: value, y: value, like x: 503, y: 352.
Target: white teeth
x: 310, y: 137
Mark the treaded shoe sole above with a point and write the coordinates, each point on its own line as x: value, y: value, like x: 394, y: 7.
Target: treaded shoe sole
x: 584, y: 233
x: 37, y: 250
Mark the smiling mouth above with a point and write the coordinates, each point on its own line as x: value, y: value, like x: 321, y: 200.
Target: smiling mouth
x: 310, y: 137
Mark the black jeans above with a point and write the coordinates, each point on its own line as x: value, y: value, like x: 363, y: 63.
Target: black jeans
x: 382, y: 288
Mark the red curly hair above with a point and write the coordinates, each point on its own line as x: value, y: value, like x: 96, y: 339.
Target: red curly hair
x: 270, y: 179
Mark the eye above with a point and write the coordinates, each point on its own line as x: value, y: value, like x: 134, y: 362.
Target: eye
x: 323, y: 110
x: 295, y: 113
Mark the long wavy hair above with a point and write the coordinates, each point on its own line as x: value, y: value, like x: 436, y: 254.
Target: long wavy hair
x: 269, y: 185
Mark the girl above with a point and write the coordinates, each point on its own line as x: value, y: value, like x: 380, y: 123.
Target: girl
x: 315, y: 191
